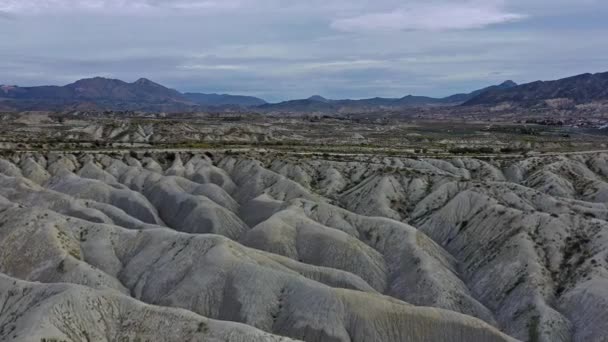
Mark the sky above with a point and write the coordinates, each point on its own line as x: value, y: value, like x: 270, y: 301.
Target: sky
x: 278, y: 49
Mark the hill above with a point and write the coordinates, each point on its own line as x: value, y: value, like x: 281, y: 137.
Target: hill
x: 460, y: 98
x: 99, y: 89
x: 111, y: 94
x: 318, y: 103
x: 224, y: 100
x: 177, y: 246
x: 578, y: 89
x: 144, y: 95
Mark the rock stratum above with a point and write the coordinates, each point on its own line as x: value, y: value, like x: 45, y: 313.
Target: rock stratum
x: 189, y: 246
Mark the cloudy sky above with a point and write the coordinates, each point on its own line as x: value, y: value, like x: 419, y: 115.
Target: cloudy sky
x: 280, y: 49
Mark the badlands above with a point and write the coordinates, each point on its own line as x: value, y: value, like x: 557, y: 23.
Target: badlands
x: 271, y: 246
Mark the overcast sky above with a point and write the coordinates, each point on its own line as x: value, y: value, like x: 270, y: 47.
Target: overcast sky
x: 280, y: 49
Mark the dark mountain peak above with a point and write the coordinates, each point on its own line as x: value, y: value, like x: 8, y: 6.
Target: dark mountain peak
x: 147, y: 83
x: 108, y: 93
x: 96, y: 82
x: 415, y: 97
x: 508, y: 84
x: 318, y: 98
x: 143, y: 81
x: 581, y: 88
x: 104, y: 82
x: 98, y: 79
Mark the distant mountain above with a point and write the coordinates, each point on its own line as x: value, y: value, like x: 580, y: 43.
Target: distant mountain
x: 144, y: 95
x: 318, y: 98
x: 224, y: 100
x: 306, y: 105
x: 99, y: 89
x: 111, y: 94
x: 318, y: 103
x: 315, y: 103
x: 461, y: 98
x: 578, y: 89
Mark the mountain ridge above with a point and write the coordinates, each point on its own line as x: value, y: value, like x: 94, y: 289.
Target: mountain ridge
x: 114, y: 94
x: 100, y: 93
x: 578, y: 89
x: 319, y: 103
x: 214, y: 99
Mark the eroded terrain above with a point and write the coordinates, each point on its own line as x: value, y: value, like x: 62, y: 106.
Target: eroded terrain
x: 267, y: 246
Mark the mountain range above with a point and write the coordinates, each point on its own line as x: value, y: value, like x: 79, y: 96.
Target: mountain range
x: 112, y: 94
x: 319, y: 103
x: 578, y: 89
x: 224, y: 100
x: 144, y: 95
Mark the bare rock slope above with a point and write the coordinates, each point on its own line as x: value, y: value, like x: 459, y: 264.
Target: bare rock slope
x: 186, y: 246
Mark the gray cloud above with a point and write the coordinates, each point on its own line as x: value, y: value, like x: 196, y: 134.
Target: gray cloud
x: 6, y: 15
x: 432, y: 16
x: 279, y: 51
x: 38, y: 6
